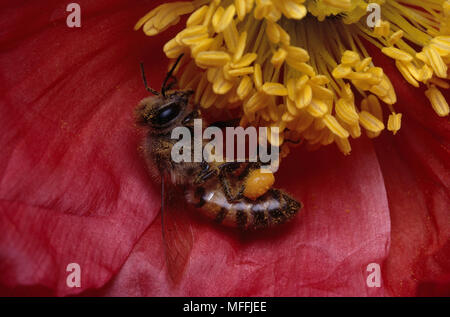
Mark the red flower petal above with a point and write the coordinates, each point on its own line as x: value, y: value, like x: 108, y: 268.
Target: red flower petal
x: 73, y: 187
x: 415, y: 165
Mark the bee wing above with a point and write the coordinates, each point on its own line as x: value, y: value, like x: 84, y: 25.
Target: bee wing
x: 176, y: 230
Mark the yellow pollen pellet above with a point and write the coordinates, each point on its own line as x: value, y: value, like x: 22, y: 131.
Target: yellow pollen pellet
x: 212, y: 59
x: 438, y: 101
x: 258, y: 183
x: 395, y: 122
x: 370, y: 122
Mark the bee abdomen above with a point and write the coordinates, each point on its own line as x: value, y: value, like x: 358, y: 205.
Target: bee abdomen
x: 273, y: 208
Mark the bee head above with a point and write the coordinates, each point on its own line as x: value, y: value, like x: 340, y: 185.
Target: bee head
x: 164, y: 109
x: 162, y: 112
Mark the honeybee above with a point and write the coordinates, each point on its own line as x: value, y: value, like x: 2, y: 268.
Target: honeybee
x: 215, y: 188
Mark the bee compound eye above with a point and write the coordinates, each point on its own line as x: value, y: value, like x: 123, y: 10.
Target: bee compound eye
x: 166, y: 114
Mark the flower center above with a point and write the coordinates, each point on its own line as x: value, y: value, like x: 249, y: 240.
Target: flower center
x: 301, y: 66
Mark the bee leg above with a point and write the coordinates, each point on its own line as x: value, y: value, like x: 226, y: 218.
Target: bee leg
x: 240, y: 194
x: 225, y: 182
x: 226, y: 188
x: 250, y: 167
x: 205, y: 173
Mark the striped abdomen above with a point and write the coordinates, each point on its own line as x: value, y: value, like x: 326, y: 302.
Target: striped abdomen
x: 274, y: 207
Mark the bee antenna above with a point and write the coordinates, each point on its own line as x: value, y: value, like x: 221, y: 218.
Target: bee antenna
x: 149, y: 89
x: 169, y: 74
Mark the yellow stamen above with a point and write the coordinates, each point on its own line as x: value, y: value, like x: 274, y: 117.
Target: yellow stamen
x: 298, y: 64
x: 395, y: 122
